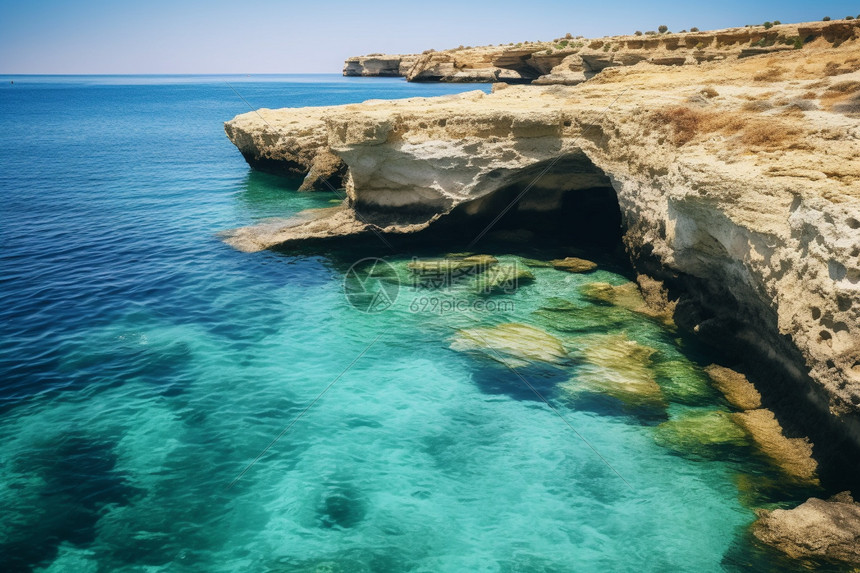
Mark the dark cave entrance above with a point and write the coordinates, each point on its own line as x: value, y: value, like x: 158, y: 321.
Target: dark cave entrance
x: 567, y: 201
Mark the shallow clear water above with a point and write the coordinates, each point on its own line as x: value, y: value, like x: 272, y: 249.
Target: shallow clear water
x: 145, y: 364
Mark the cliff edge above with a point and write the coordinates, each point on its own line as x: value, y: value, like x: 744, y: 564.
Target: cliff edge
x: 569, y: 60
x: 738, y: 183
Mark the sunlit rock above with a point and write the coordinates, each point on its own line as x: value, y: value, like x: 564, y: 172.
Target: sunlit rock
x: 815, y: 529
x: 791, y: 455
x: 739, y: 391
x: 573, y: 265
x: 515, y: 345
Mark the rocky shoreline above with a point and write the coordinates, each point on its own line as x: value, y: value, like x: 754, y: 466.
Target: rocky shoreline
x: 736, y: 178
x: 570, y: 61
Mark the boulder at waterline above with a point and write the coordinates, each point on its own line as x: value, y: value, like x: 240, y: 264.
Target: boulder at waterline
x: 815, y: 529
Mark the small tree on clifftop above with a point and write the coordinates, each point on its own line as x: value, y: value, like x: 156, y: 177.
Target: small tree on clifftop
x: 663, y: 29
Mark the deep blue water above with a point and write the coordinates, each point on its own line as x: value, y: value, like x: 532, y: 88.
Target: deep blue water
x: 145, y: 364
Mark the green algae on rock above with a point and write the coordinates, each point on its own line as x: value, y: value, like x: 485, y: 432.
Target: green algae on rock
x: 573, y: 265
x: 619, y: 367
x: 697, y: 433
x: 513, y: 344
x: 684, y: 382
x: 575, y: 318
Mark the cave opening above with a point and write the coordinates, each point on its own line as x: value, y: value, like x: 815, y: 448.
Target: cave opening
x: 564, y: 202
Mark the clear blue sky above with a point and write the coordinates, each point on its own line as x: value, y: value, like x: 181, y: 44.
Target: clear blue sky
x: 264, y: 36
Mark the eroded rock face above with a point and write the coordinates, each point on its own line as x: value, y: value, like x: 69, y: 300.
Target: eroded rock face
x: 379, y: 65
x: 814, y: 529
x: 737, y: 182
x: 575, y: 60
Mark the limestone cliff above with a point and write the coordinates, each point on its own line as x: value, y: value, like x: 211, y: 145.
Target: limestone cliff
x: 379, y: 65
x: 738, y: 183
x: 570, y: 61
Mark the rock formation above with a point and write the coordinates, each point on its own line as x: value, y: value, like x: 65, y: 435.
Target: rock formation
x: 815, y: 529
x: 379, y: 65
x: 570, y: 61
x: 738, y: 183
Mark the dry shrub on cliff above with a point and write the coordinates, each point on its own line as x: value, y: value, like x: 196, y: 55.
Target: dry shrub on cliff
x: 843, y: 97
x: 686, y: 123
x: 769, y: 75
x: 835, y: 69
x: 709, y: 92
x: 683, y: 121
x: 757, y: 106
x: 844, y: 87
x: 770, y: 135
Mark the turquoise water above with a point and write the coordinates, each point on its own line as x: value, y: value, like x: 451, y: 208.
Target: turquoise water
x: 145, y: 365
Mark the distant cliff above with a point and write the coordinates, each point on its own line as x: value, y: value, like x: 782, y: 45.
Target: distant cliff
x: 571, y: 60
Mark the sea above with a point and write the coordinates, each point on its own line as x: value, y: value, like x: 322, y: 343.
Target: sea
x: 168, y: 403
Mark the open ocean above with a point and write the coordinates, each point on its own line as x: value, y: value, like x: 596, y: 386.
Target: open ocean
x: 145, y: 365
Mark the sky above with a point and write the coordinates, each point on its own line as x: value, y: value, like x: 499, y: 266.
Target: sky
x: 314, y: 36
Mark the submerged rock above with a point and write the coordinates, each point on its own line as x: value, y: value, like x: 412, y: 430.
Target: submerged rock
x: 739, y: 391
x: 513, y: 344
x: 476, y: 263
x: 698, y: 433
x: 619, y: 367
x: 573, y: 318
x: 814, y: 529
x: 626, y: 296
x: 536, y: 263
x: 683, y: 382
x: 791, y: 455
x: 573, y: 265
x: 503, y: 278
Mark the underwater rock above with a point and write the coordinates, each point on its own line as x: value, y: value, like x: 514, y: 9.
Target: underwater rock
x: 626, y: 296
x: 513, y: 344
x: 791, y: 455
x: 475, y: 263
x: 814, y: 529
x: 739, y: 391
x: 503, y: 278
x: 698, y: 432
x: 536, y: 263
x: 619, y: 367
x: 573, y: 318
x: 683, y: 382
x: 573, y: 265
